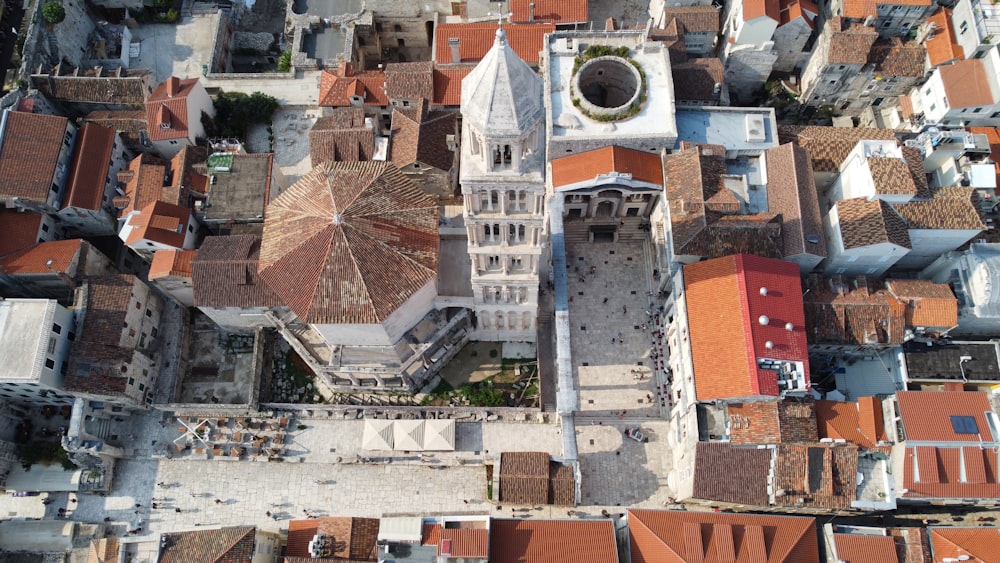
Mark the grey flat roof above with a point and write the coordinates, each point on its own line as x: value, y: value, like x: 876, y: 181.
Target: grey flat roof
x: 725, y: 126
x: 241, y: 194
x: 937, y: 363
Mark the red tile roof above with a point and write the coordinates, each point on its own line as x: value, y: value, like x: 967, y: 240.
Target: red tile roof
x: 772, y: 422
x: 756, y: 8
x: 966, y: 472
x: 861, y: 9
x: 552, y: 541
x: 475, y: 39
x: 965, y: 84
x: 336, y: 90
x: 20, y: 230
x: 726, y: 306
x: 448, y: 84
x: 941, y: 45
x: 351, y: 538
x: 555, y: 11
x: 171, y: 263
x: 224, y: 545
x: 860, y: 423
x: 926, y: 415
x: 587, y: 166
x: 978, y: 544
x: 715, y: 465
x: 88, y: 173
x: 466, y: 543
x: 350, y: 242
x: 36, y: 258
x: 225, y: 273
x: 929, y: 304
x: 144, y: 181
x: 167, y: 111
x: 659, y: 536
x: 816, y: 475
x: 862, y: 548
x: 29, y: 151
x: 161, y: 222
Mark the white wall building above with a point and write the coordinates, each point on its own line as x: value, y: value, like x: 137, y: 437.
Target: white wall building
x: 34, y: 345
x: 503, y: 181
x: 964, y: 93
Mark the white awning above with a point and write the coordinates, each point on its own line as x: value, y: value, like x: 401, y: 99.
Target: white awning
x: 439, y: 435
x: 408, y: 435
x: 401, y: 529
x: 377, y: 435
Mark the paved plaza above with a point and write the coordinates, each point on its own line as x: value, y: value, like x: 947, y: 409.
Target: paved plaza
x: 609, y: 288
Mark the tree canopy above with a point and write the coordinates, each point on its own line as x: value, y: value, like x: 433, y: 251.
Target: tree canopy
x: 235, y: 112
x: 53, y: 12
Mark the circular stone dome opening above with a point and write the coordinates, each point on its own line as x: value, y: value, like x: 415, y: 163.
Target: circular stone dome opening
x: 608, y: 85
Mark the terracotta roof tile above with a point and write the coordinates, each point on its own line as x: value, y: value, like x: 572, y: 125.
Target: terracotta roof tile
x: 187, y: 174
x: 896, y: 57
x: 20, y: 230
x: 29, y: 152
x: 772, y: 422
x: 349, y: 243
x: 167, y: 105
x: 724, y: 303
x: 702, y: 227
x: 915, y: 162
x: 161, y: 222
x: 865, y: 223
x: 849, y: 43
x: 695, y: 19
x: 964, y: 472
x: 341, y: 137
x: 912, y: 544
x: 821, y: 475
x: 926, y: 414
x: 860, y: 423
x: 547, y: 541
x: 861, y: 9
x: 131, y: 125
x: 757, y: 8
x: 891, y: 176
x: 951, y: 208
x: 169, y: 263
x: 966, y: 85
x: 224, y: 545
x: 695, y: 79
x: 929, y: 304
x: 120, y: 87
x: 144, y: 180
x: 349, y: 538
x: 476, y: 39
x: 658, y: 536
x: 448, y: 84
x: 91, y: 160
x: 717, y: 463
x: 464, y: 542
x: 829, y: 146
x: 225, y: 274
x: 424, y: 139
x: 35, y: 259
x: 852, y: 316
x: 524, y: 477
x: 792, y: 10
x: 409, y: 80
x: 336, y: 90
x: 978, y: 544
x: 791, y: 192
x: 858, y: 548
x: 941, y: 45
x: 555, y: 11
x: 104, y: 550
x: 589, y: 165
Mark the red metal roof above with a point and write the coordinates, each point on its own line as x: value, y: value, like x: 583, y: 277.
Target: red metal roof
x: 658, y: 536
x: 926, y: 415
x: 586, y: 166
x: 555, y: 11
x: 476, y: 39
x: 727, y: 300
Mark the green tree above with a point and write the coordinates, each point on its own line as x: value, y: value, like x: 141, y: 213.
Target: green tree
x: 53, y: 12
x: 285, y: 61
x: 235, y: 112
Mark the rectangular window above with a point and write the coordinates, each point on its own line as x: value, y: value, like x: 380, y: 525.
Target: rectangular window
x: 131, y: 381
x: 45, y: 228
x: 142, y: 387
x: 56, y: 328
x: 50, y: 363
x: 149, y: 313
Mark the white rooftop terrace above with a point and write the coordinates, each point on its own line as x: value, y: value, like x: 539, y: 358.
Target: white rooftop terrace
x: 652, y: 128
x: 24, y: 336
x: 743, y: 131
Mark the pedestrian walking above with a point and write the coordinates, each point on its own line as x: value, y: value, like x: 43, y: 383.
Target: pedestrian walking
x: 268, y: 513
x: 161, y: 484
x: 137, y: 505
x: 218, y: 501
x: 154, y: 506
x: 107, y: 518
x: 193, y: 495
x: 605, y: 300
x: 177, y: 509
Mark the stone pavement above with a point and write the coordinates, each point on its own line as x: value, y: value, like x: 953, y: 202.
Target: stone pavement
x: 609, y: 285
x: 618, y: 471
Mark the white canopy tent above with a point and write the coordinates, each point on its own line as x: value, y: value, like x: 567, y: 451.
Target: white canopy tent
x: 409, y: 435
x: 377, y: 435
x: 439, y: 435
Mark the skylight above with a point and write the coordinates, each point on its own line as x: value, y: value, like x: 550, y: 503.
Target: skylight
x: 964, y: 425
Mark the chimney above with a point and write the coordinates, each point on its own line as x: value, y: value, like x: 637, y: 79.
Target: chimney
x: 173, y: 86
x: 531, y: 12
x: 456, y: 52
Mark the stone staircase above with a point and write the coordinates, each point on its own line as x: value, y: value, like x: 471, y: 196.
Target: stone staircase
x: 578, y: 231
x: 53, y: 48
